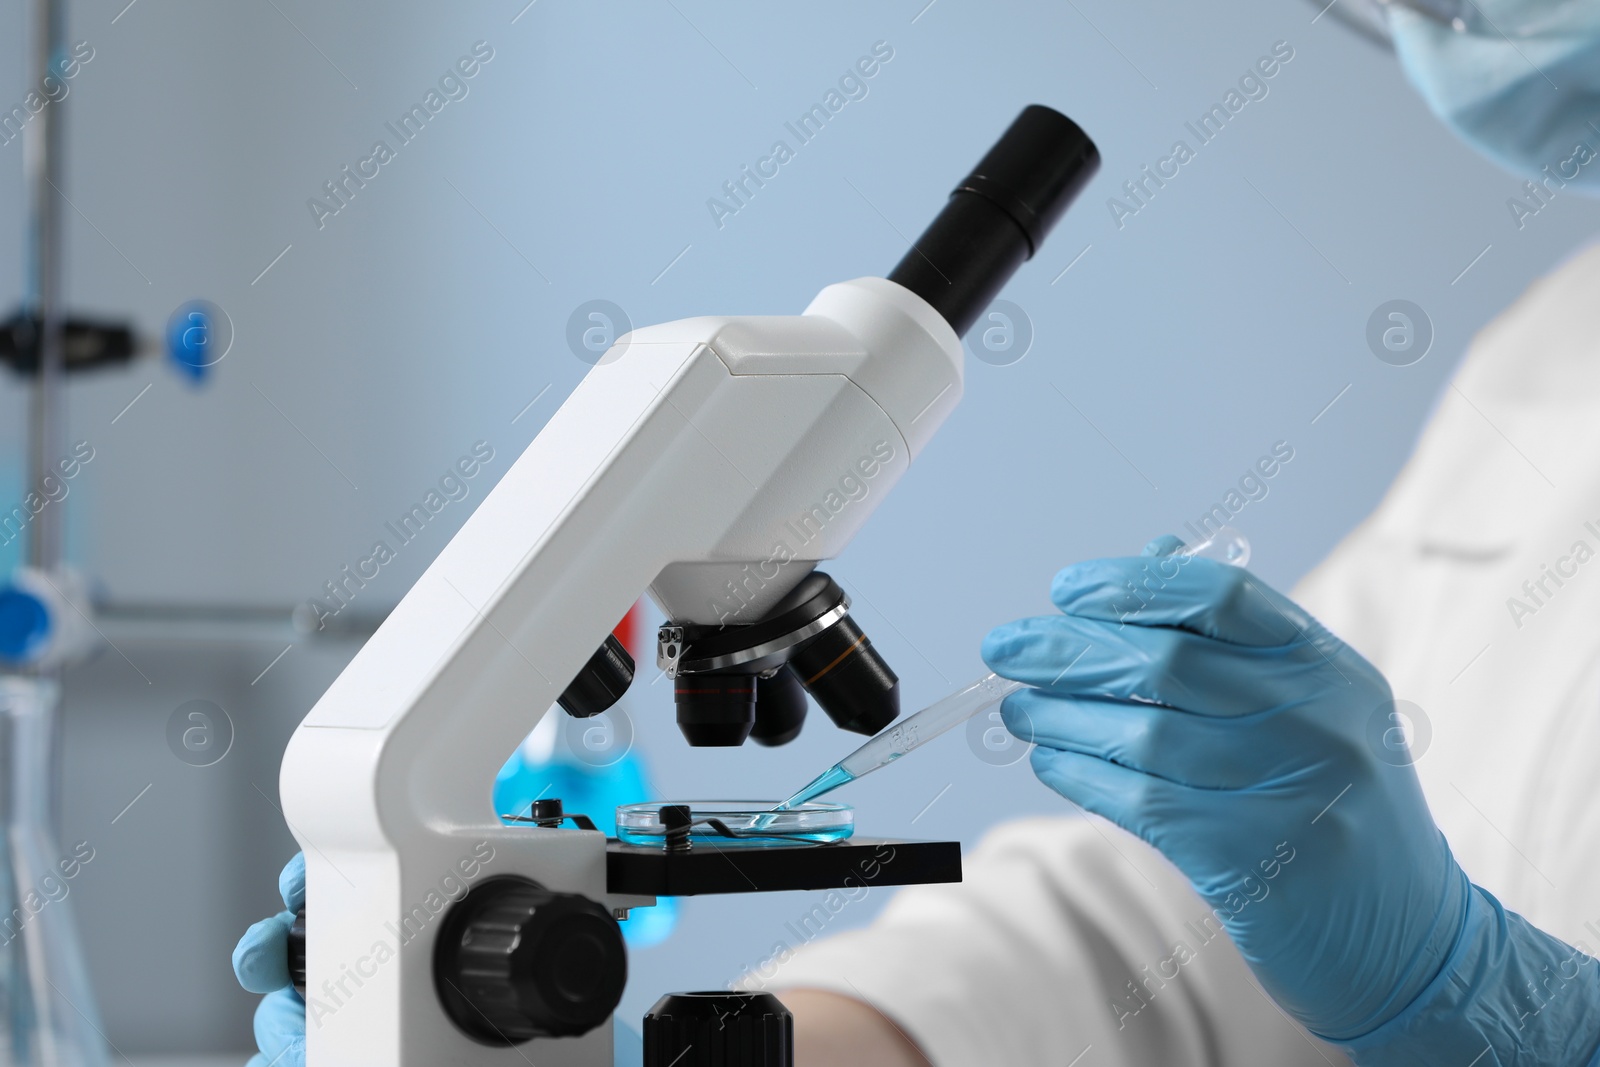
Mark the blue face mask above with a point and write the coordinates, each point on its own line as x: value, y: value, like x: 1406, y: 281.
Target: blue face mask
x: 1519, y: 80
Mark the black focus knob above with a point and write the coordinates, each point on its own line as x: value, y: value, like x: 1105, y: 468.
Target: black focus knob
x: 515, y: 961
x: 297, y: 952
x: 719, y: 1029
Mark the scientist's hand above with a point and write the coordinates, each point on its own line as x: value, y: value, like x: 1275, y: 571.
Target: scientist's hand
x: 1197, y: 708
x: 261, y: 962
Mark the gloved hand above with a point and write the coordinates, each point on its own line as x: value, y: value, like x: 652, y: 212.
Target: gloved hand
x: 261, y: 962
x: 1197, y: 708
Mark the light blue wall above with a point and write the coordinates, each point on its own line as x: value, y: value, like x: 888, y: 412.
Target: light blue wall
x: 1220, y: 319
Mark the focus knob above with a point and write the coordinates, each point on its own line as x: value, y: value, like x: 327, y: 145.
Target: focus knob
x: 515, y: 961
x: 719, y: 1029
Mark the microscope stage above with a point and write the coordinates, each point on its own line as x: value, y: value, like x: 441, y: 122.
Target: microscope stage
x: 653, y: 871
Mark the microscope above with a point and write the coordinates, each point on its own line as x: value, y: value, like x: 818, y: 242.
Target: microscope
x: 714, y: 462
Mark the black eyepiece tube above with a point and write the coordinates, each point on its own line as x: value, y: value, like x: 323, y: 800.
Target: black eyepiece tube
x: 999, y: 215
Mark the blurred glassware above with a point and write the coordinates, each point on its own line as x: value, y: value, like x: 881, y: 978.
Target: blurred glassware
x: 48, y: 1016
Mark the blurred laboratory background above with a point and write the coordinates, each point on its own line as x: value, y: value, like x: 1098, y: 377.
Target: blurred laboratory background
x: 596, y: 162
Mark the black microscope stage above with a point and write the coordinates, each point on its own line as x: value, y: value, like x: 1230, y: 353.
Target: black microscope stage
x: 706, y: 868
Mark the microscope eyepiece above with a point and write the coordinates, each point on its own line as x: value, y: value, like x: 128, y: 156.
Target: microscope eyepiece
x: 1035, y: 171
x: 999, y: 215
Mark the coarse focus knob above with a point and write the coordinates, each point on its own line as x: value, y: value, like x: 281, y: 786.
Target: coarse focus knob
x: 515, y: 961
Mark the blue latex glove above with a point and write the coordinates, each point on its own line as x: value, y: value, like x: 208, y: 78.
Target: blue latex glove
x: 261, y: 962
x: 1197, y: 708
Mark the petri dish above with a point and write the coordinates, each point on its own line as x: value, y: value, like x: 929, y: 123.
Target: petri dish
x: 739, y: 823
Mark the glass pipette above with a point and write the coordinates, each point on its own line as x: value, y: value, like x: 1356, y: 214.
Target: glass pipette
x: 1227, y: 545
x: 909, y: 734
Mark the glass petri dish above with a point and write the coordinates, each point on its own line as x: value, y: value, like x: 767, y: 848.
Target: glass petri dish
x: 739, y: 823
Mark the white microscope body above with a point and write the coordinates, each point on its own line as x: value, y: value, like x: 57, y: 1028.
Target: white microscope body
x: 689, y: 462
x: 710, y: 461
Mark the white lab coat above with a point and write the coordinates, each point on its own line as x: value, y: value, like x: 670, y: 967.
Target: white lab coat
x: 1029, y: 960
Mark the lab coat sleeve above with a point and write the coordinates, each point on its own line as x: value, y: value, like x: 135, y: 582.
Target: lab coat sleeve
x: 1067, y: 939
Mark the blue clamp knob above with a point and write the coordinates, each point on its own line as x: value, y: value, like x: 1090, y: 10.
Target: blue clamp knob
x: 24, y: 625
x: 193, y: 339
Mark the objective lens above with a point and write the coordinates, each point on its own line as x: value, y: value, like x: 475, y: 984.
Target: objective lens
x: 601, y: 683
x: 844, y: 673
x: 716, y: 709
x: 780, y: 709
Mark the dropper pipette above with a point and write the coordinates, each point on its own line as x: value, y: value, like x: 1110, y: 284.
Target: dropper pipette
x: 908, y: 735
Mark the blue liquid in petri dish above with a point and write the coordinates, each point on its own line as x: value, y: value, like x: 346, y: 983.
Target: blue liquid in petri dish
x: 753, y: 823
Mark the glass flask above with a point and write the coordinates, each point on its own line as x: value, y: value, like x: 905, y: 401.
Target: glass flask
x: 47, y: 1010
